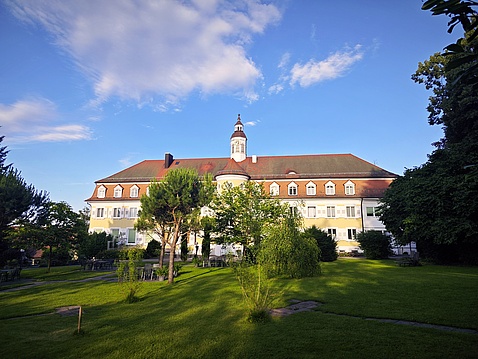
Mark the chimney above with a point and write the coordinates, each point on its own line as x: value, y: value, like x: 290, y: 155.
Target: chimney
x: 168, y: 159
x: 254, y: 158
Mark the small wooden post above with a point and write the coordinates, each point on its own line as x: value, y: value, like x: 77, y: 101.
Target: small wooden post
x: 79, y: 319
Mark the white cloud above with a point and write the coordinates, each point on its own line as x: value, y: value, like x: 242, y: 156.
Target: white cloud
x: 166, y: 49
x: 250, y: 123
x: 284, y: 61
x: 275, y: 89
x: 35, y: 120
x: 336, y: 65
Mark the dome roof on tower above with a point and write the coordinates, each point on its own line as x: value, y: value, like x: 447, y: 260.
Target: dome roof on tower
x: 238, y: 129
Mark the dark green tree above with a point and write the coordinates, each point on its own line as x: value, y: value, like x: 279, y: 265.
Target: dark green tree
x: 464, y: 13
x: 58, y: 227
x: 92, y: 244
x: 327, y: 245
x: 20, y: 205
x: 375, y: 244
x: 433, y: 204
x: 208, y: 225
x: 184, y: 248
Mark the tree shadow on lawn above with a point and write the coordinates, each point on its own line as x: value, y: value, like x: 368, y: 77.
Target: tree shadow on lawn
x: 380, y: 289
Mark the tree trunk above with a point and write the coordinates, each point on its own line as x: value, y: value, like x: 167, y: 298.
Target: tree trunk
x: 161, y: 254
x: 50, y: 252
x: 172, y: 252
x: 171, y: 261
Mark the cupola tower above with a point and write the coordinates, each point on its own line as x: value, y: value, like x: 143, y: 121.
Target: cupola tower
x: 238, y: 142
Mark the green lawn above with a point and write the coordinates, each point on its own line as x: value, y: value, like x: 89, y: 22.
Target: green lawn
x: 203, y: 315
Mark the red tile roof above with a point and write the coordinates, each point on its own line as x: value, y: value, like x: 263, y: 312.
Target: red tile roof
x: 264, y: 168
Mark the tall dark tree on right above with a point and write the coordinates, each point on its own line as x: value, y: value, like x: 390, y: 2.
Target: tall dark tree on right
x: 435, y: 204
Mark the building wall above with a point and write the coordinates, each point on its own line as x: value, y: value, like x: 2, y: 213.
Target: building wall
x: 351, y: 213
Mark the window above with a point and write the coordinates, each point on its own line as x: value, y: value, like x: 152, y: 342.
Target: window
x: 332, y: 232
x: 131, y: 236
x: 274, y: 189
x: 292, y: 189
x: 311, y: 211
x: 311, y: 189
x: 116, y: 212
x: 115, y: 233
x: 293, y: 210
x: 118, y: 192
x: 133, y: 212
x: 350, y: 211
x: 330, y: 188
x: 100, y: 213
x: 349, y: 188
x: 351, y: 234
x: 372, y: 212
x: 330, y: 211
x: 101, y: 192
x: 134, y: 191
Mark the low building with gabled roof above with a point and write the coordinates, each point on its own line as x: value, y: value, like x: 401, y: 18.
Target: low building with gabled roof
x: 338, y: 193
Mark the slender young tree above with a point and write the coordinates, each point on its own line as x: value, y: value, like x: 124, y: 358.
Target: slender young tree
x: 243, y: 214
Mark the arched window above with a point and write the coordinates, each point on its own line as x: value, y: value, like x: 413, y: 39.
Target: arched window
x: 311, y: 189
x: 349, y: 188
x: 134, y: 191
x: 330, y: 188
x: 101, y: 192
x: 292, y: 189
x: 274, y: 189
x: 118, y: 191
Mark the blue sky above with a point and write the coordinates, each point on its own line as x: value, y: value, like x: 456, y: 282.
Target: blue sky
x: 88, y: 88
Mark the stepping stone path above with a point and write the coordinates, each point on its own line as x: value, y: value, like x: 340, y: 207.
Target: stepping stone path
x: 297, y: 307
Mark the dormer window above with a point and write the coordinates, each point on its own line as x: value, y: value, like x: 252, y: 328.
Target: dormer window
x: 311, y: 189
x: 349, y: 188
x: 292, y: 189
x: 134, y: 191
x: 330, y: 188
x: 101, y: 192
x: 274, y: 189
x: 118, y: 191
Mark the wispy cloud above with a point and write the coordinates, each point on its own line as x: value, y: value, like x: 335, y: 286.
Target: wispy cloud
x: 156, y: 49
x: 37, y: 120
x: 336, y: 65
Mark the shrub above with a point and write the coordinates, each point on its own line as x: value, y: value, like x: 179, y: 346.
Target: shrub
x: 128, y: 274
x: 325, y: 242
x: 256, y: 291
x: 375, y: 244
x: 285, y: 251
x: 184, y: 249
x: 153, y: 249
x: 109, y: 254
